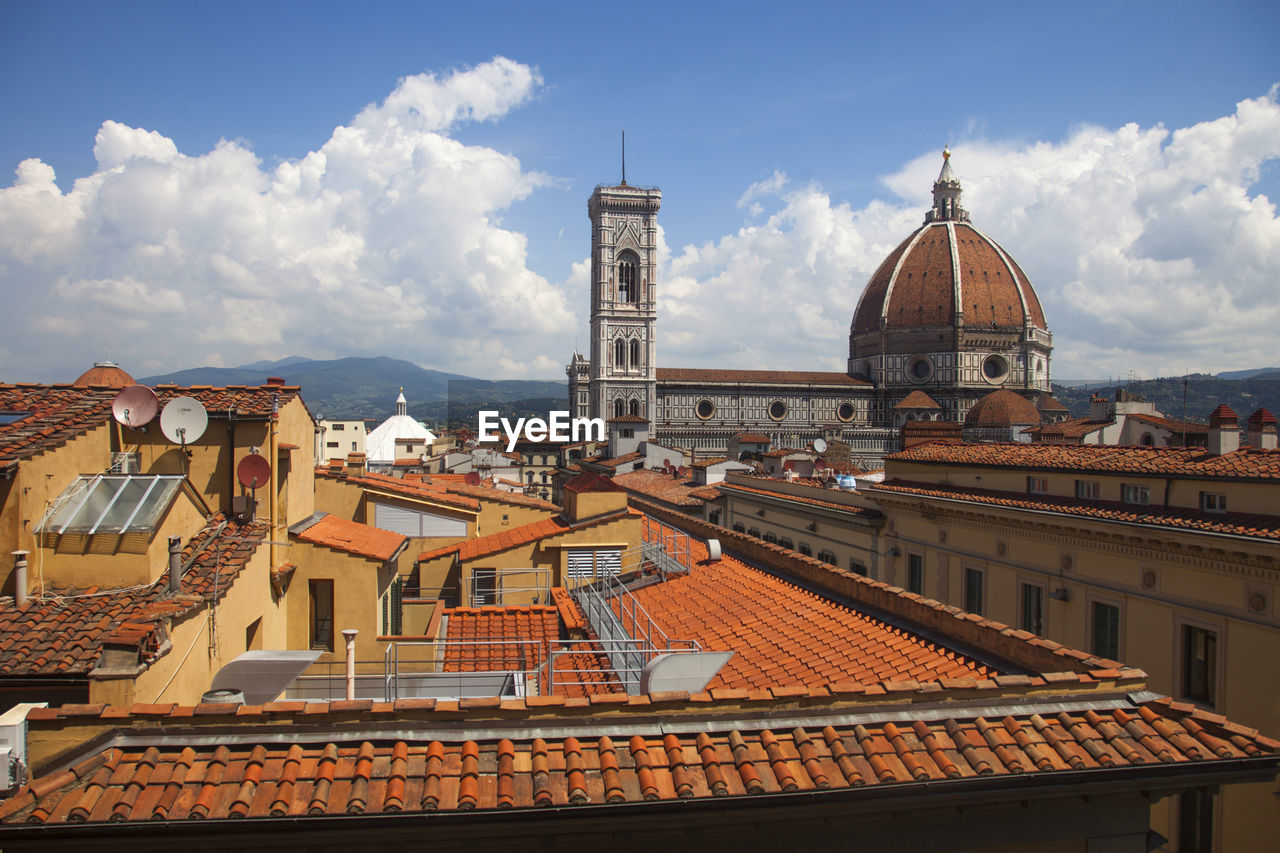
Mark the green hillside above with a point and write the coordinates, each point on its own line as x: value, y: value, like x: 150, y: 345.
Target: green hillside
x: 1203, y: 394
x: 367, y: 387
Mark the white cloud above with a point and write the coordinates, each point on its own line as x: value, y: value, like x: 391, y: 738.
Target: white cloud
x: 384, y: 240
x: 1146, y: 246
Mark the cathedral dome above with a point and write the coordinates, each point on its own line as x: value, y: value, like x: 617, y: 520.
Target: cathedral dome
x: 104, y: 374
x: 1002, y: 409
x: 948, y: 271
x: 950, y: 308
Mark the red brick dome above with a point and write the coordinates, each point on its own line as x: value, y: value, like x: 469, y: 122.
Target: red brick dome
x: 1003, y: 408
x: 104, y: 374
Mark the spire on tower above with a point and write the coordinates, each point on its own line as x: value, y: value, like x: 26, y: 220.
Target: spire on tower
x: 946, y: 194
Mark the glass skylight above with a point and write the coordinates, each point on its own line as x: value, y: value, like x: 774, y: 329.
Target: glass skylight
x: 112, y: 503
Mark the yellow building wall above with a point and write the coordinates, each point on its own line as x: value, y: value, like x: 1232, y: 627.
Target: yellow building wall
x: 215, y: 455
x: 358, y: 584
x: 39, y: 480
x: 1162, y: 581
x: 496, y: 516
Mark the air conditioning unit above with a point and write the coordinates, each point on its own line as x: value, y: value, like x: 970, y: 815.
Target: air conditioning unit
x: 126, y: 463
x: 13, y: 745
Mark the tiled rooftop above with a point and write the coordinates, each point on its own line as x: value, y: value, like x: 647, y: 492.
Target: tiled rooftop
x: 782, y: 634
x: 663, y: 487
x: 918, y: 400
x: 499, y: 638
x: 1075, y: 428
x: 813, y: 500
x: 1246, y: 463
x: 1190, y: 427
x: 1232, y: 523
x: 62, y: 632
x: 352, y: 537
x: 628, y: 760
x: 62, y: 412
x: 416, y: 489
x: 503, y: 540
x: 58, y: 414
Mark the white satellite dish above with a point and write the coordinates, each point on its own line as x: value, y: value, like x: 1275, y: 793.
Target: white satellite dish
x: 183, y: 420
x: 135, y: 406
x: 820, y: 445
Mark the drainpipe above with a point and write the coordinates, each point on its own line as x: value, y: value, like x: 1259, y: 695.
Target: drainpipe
x: 274, y: 459
x: 175, y: 564
x: 350, y: 636
x: 20, y: 578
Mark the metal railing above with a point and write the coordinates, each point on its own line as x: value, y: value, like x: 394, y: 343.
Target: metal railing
x: 622, y: 665
x: 524, y: 585
x: 666, y: 548
x: 462, y: 668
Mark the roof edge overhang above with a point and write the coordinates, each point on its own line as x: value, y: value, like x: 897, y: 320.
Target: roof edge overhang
x: 1147, y: 781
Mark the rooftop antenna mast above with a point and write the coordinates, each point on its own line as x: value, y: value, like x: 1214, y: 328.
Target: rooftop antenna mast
x: 624, y: 158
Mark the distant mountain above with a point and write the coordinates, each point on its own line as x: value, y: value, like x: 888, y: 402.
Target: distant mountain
x: 1249, y: 374
x: 368, y: 387
x: 1203, y: 394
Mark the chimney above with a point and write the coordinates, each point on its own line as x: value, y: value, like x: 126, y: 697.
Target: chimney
x: 20, y: 578
x: 275, y: 381
x: 175, y: 564
x: 1224, y: 431
x: 1262, y: 430
x: 355, y: 464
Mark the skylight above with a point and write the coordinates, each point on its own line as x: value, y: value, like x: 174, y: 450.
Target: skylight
x: 12, y: 417
x: 111, y: 503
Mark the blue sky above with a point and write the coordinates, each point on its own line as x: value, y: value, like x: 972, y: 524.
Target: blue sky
x: 847, y: 104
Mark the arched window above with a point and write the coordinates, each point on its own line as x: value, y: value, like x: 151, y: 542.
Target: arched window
x: 635, y: 353
x: 618, y: 408
x: 628, y: 283
x: 620, y: 354
x: 635, y: 407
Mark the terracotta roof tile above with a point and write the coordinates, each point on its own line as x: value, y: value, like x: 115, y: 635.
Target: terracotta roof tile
x: 1235, y: 524
x: 635, y: 761
x: 917, y: 400
x: 664, y: 487
x: 63, y: 631
x: 352, y: 537
x: 783, y: 635
x: 1246, y: 463
x: 417, y: 489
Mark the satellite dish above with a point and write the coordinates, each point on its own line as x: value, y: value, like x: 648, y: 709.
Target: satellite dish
x: 135, y: 406
x: 253, y: 471
x: 183, y: 420
x: 820, y: 445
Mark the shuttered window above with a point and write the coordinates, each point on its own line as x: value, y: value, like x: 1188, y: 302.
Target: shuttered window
x: 587, y: 563
x: 410, y: 522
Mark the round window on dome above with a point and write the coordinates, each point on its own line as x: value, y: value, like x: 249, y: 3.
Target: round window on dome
x: 777, y: 410
x: 845, y: 412
x: 920, y: 368
x: 705, y: 409
x: 995, y: 368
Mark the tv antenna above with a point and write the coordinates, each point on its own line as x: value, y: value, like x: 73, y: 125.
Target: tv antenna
x: 135, y: 406
x: 624, y: 158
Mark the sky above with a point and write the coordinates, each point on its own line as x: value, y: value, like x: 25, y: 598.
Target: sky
x: 216, y: 184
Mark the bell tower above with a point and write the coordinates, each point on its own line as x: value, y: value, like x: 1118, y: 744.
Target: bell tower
x: 623, y: 378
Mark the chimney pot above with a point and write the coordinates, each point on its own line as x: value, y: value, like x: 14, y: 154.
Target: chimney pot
x: 20, y: 578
